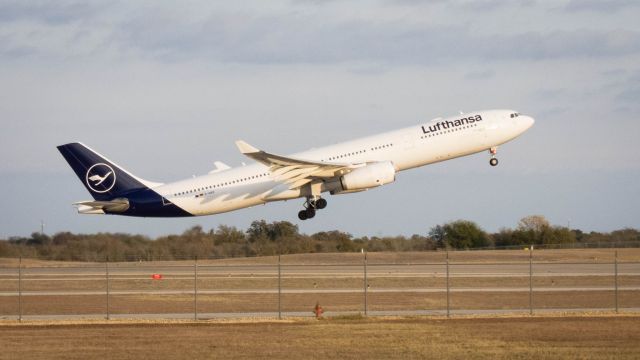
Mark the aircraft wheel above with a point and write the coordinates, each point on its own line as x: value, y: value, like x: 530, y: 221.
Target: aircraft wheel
x: 321, y: 203
x: 493, y: 162
x: 310, y: 212
x: 302, y: 215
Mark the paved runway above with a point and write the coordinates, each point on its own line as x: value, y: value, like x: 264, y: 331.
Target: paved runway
x: 320, y: 291
x: 404, y: 270
x: 303, y: 314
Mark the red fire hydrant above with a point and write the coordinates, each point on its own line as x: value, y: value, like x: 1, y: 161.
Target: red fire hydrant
x: 318, y: 310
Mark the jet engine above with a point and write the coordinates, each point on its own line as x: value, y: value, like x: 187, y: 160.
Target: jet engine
x: 369, y: 176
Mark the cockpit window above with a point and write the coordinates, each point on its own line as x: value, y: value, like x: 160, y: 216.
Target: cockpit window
x: 514, y: 115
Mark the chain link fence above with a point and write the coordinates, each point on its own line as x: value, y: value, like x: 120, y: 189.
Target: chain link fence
x: 373, y: 284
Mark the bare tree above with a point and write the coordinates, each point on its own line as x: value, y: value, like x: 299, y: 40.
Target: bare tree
x: 536, y: 223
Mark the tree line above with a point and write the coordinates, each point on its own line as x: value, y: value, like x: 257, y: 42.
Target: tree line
x: 283, y: 237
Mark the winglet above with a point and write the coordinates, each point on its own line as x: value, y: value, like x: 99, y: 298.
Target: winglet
x: 246, y: 148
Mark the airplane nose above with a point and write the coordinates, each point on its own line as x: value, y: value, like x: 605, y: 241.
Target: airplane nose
x: 527, y: 121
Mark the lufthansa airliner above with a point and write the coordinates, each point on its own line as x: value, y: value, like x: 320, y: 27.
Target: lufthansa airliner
x: 343, y: 168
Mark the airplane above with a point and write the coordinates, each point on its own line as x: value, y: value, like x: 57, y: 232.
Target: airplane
x: 343, y: 168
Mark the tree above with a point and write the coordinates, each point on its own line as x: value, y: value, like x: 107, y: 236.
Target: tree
x: 283, y: 237
x: 558, y: 235
x: 39, y: 239
x: 464, y: 234
x: 532, y: 229
x: 283, y: 229
x: 258, y: 230
x: 625, y: 235
x: 536, y: 223
x: 328, y: 241
x: 437, y: 234
x: 421, y: 243
x: 228, y: 234
x: 504, y: 237
x: 536, y: 230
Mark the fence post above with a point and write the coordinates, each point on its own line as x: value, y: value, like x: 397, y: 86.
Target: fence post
x: 106, y: 266
x: 195, y: 288
x: 279, y: 289
x: 615, y: 277
x: 447, y: 263
x: 531, y: 280
x: 366, y: 310
x: 20, y: 289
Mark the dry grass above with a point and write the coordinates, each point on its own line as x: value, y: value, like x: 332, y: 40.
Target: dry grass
x: 331, y: 301
x: 473, y: 256
x: 600, y: 337
x: 423, y: 281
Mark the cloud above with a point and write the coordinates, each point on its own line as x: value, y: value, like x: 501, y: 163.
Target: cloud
x: 550, y: 94
x: 240, y: 39
x: 480, y: 75
x: 492, y: 5
x: 471, y: 5
x: 572, y: 44
x: 630, y: 94
x: 260, y: 37
x: 600, y: 6
x: 54, y: 13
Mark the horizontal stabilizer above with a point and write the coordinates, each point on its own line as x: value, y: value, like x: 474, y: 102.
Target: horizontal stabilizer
x: 102, y: 207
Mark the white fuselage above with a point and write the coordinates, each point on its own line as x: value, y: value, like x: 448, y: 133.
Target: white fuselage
x: 435, y: 141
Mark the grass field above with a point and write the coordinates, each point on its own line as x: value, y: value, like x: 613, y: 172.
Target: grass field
x: 332, y: 302
x: 594, y: 337
x: 35, y: 283
x: 472, y: 256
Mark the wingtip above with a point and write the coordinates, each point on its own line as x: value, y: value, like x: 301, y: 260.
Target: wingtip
x: 68, y: 144
x: 245, y: 148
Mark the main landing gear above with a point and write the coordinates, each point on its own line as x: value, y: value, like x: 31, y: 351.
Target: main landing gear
x: 493, y: 161
x: 310, y: 207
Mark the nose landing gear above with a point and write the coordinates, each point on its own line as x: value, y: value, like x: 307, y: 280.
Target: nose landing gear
x: 310, y: 207
x: 493, y: 161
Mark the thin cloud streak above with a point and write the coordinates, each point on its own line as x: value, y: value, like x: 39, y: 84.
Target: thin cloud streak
x: 600, y: 6
x: 304, y: 39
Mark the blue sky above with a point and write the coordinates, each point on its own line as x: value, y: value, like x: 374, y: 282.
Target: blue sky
x: 165, y: 89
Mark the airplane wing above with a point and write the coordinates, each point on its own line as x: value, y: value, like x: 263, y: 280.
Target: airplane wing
x: 295, y: 172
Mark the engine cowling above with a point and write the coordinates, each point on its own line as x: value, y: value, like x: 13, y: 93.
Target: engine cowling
x: 369, y: 176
